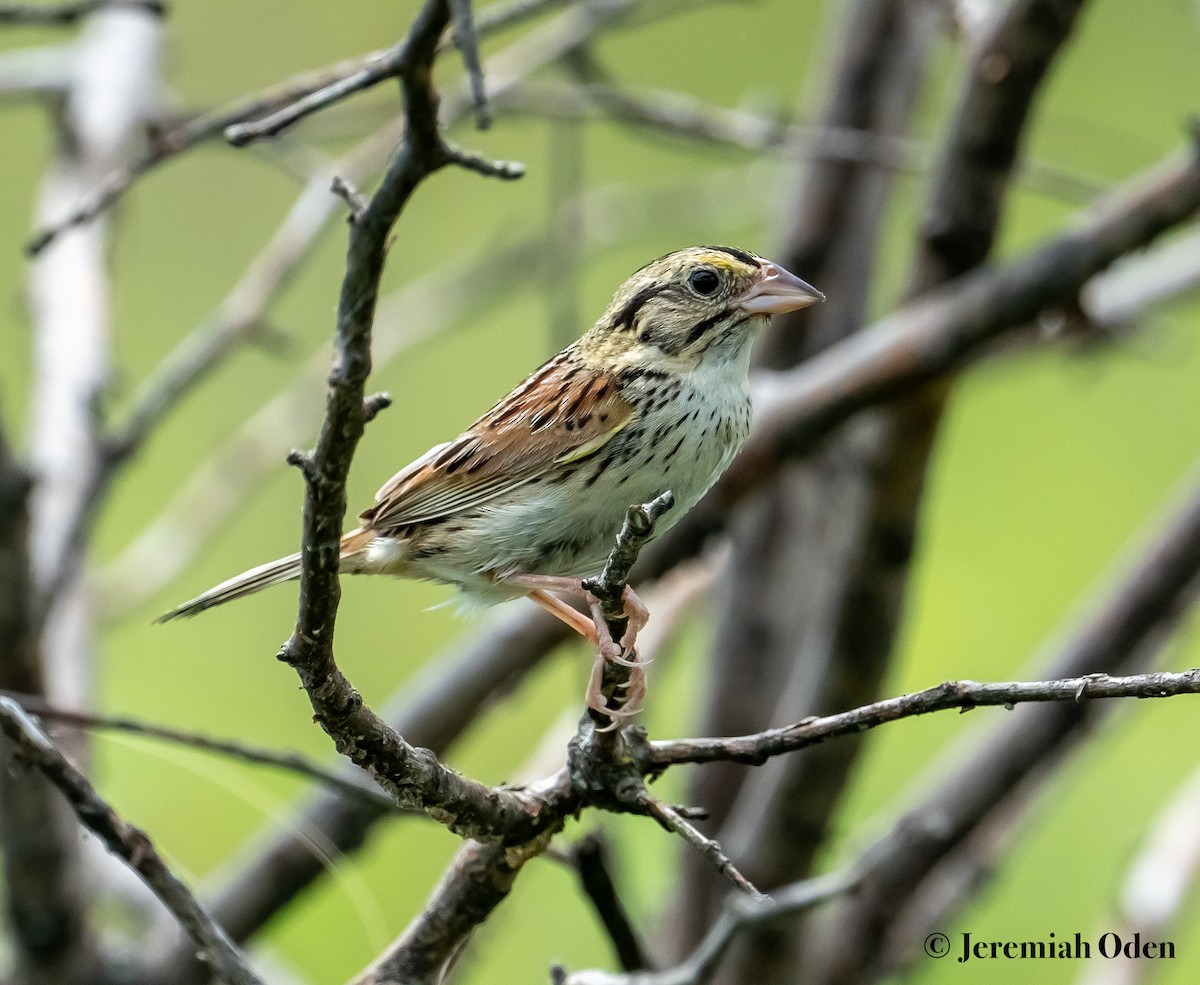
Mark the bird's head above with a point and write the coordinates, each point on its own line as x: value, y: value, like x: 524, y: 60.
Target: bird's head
x: 694, y: 305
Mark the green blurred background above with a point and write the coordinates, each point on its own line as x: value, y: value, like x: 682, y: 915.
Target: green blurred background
x: 1050, y: 461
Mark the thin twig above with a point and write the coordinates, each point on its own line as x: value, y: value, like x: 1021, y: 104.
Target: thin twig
x: 963, y: 695
x: 673, y: 821
x: 1128, y: 621
x: 382, y: 66
x: 207, y: 126
x: 504, y: 170
x: 374, y: 404
x: 677, y: 114
x: 738, y: 915
x: 128, y: 843
x: 289, y: 761
x: 344, y: 189
x: 466, y: 41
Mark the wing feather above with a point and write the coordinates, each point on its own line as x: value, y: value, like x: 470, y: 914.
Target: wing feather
x: 562, y: 414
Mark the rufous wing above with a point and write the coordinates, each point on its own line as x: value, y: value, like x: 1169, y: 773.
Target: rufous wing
x: 564, y: 412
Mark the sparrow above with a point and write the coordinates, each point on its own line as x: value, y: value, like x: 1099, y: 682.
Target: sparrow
x: 528, y: 500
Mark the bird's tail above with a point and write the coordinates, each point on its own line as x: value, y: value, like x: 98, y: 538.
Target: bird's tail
x: 256, y: 579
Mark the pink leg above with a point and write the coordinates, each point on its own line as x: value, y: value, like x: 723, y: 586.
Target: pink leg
x: 636, y: 612
x: 597, y: 633
x: 560, y: 610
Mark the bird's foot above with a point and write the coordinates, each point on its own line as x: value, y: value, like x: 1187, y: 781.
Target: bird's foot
x: 634, y: 689
x: 623, y: 653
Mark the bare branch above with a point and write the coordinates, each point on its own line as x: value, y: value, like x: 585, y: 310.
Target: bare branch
x: 672, y: 820
x: 930, y: 337
x: 458, y: 685
x: 963, y: 695
x: 374, y: 405
x: 621, y: 683
x: 609, y: 586
x: 978, y: 160
x: 128, y: 843
x: 475, y: 883
x: 207, y: 126
x: 381, y: 66
x: 589, y: 857
x: 739, y: 914
x: 170, y: 143
x: 289, y: 761
x: 665, y: 112
x: 344, y: 189
x: 467, y: 42
x: 504, y: 170
x: 413, y: 776
x: 1132, y: 617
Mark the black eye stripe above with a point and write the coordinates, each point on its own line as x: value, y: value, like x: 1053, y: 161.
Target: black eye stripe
x: 701, y: 327
x: 626, y: 315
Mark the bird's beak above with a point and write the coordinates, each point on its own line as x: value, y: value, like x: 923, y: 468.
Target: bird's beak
x: 777, y: 291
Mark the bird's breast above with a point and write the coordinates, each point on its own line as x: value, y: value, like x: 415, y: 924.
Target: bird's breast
x: 565, y: 521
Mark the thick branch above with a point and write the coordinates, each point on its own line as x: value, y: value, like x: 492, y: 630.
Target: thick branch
x: 930, y: 337
x: 979, y: 157
x: 477, y: 881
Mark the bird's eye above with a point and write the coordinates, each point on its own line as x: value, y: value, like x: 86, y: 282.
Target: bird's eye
x: 704, y: 282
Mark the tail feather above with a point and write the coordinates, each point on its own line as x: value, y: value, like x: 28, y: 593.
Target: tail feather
x: 247, y: 583
x: 256, y: 579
